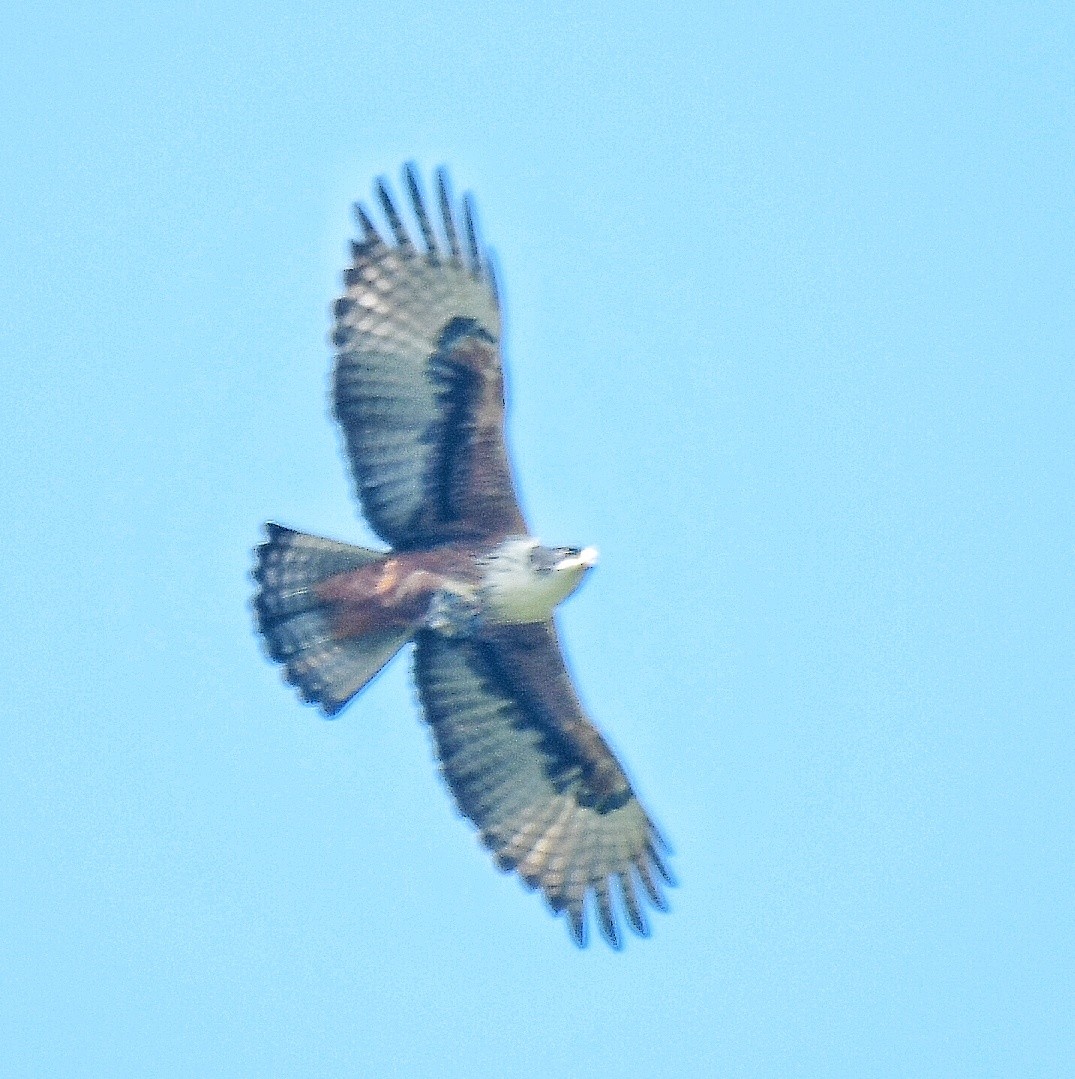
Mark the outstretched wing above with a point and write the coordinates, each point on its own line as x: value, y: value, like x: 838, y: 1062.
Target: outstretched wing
x: 418, y: 384
x: 533, y: 773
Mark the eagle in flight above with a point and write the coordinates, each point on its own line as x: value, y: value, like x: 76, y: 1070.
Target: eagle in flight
x: 418, y: 389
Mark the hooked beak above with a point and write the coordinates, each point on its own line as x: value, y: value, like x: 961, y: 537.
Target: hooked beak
x: 585, y: 559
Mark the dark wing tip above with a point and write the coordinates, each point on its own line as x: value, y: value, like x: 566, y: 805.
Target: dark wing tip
x: 492, y: 273
x: 577, y: 924
x: 370, y: 236
x: 395, y: 223
x: 410, y: 175
x: 444, y: 196
x: 606, y: 917
x: 636, y: 917
x: 472, y: 235
x: 477, y: 261
x: 661, y: 839
x: 661, y: 865
x: 652, y: 889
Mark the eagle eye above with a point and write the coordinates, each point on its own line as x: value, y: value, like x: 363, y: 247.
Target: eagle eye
x: 543, y: 559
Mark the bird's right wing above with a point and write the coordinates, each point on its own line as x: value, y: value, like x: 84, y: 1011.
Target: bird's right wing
x: 533, y: 773
x: 418, y: 385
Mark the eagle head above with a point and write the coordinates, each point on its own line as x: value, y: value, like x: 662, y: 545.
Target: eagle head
x: 523, y: 581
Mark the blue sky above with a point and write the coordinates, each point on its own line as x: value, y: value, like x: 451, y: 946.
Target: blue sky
x: 789, y: 325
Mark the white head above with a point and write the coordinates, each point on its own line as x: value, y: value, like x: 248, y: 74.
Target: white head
x: 524, y: 581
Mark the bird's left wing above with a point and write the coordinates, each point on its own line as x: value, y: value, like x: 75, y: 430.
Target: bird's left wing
x: 418, y: 385
x: 533, y: 773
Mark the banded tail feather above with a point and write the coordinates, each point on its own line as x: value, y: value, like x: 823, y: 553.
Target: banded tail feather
x: 298, y: 624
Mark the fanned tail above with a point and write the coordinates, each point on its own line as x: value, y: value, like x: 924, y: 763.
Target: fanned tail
x: 297, y: 623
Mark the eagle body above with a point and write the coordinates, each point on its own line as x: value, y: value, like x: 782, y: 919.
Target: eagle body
x: 419, y: 393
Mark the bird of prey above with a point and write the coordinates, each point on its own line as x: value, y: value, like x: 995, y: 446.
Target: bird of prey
x: 418, y: 389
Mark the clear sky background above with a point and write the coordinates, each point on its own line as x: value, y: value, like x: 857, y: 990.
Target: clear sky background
x: 790, y: 312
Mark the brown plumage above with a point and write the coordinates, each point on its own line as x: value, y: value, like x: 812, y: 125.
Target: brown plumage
x: 419, y: 393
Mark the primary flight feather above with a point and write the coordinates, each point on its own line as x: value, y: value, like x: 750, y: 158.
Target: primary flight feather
x: 418, y: 389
